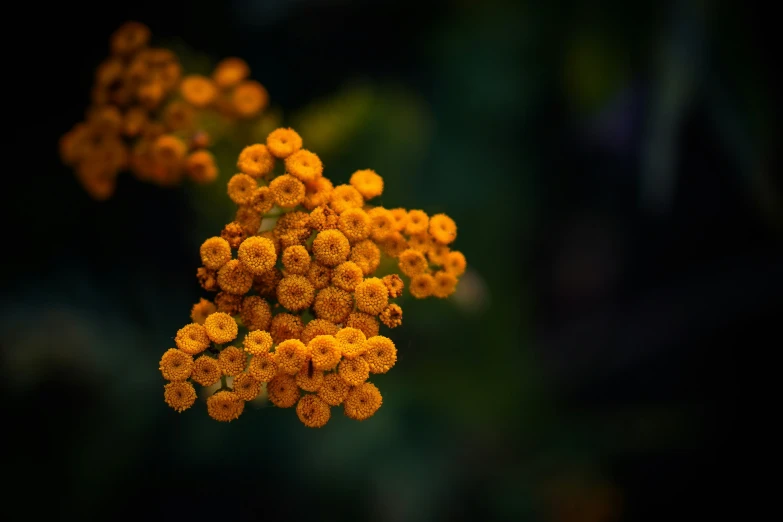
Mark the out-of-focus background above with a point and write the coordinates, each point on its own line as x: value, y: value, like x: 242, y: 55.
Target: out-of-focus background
x: 612, y: 168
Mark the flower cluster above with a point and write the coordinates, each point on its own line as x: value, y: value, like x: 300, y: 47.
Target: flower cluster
x: 145, y: 116
x: 298, y: 271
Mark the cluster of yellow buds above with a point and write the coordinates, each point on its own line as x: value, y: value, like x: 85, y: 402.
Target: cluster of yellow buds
x: 297, y: 270
x: 145, y: 116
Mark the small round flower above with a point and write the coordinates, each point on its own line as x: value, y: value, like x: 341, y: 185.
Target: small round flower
x: 225, y: 406
x: 150, y: 93
x: 367, y: 255
x: 249, y: 98
x: 169, y: 150
x: 443, y: 229
x: 200, y: 166
x: 400, y: 216
x: 333, y: 304
x: 263, y: 367
x: 232, y: 278
x: 323, y: 218
x: 308, y: 378
x: 241, y: 188
x: 256, y: 160
x: 256, y: 313
x: 394, y: 283
x: 412, y: 262
x: 313, y: 411
x: 206, y: 371
x: 198, y: 90
x: 215, y: 252
x: 394, y: 244
x: 371, y: 296
x: 344, y: 197
x: 438, y: 254
x: 201, y: 310
x: 192, y: 339
x: 176, y: 365
x: 445, y: 284
x: 290, y: 355
x: 207, y: 279
x: 179, y: 395
x: 334, y: 390
x: 418, y: 222
x: 257, y: 255
x: 295, y: 293
x: 355, y: 224
x: 283, y: 391
x: 266, y: 283
x: 422, y: 286
x: 230, y: 71
x: 324, y: 351
x: 246, y: 386
x: 262, y: 200
x: 421, y: 242
x: 258, y: 342
x: 455, y: 263
x: 382, y: 223
x: 304, y: 165
x: 319, y: 275
x: 178, y: 116
x: 353, y: 371
x: 331, y: 247
x: 287, y: 191
x: 296, y: 260
x: 368, y: 183
x: 347, y: 276
x: 351, y: 342
x: 129, y: 38
x: 318, y: 327
x: 362, y: 402
x: 318, y: 193
x: 232, y: 360
x: 228, y: 303
x: 381, y: 354
x: 221, y: 328
x: 364, y: 322
x: 234, y: 234
x: 392, y: 316
x: 283, y: 142
x: 248, y: 219
x: 286, y: 326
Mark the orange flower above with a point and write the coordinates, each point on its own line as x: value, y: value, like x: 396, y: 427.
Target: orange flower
x: 283, y: 142
x: 229, y: 72
x: 198, y: 90
x: 249, y: 98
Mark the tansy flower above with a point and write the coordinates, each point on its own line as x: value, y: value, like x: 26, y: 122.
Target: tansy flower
x: 412, y: 262
x: 392, y: 316
x: 443, y: 229
x: 179, y: 395
x: 229, y: 72
x: 225, y: 406
x: 262, y: 200
x: 215, y: 252
x: 323, y: 218
x: 362, y: 402
x: 286, y: 326
x: 134, y: 121
x: 221, y: 328
x: 266, y: 283
x: 234, y: 234
x: 256, y: 313
x: 262, y: 367
x: 331, y: 247
x: 367, y: 182
x: 318, y: 193
x: 333, y: 304
x: 249, y: 98
x: 292, y: 221
x: 445, y: 284
x: 304, y: 165
x: 308, y: 378
x: 319, y: 275
x: 178, y: 116
x: 228, y: 303
x: 150, y: 94
x: 176, y: 365
x: 290, y: 355
x: 381, y: 354
x: 382, y: 223
x: 256, y: 161
x: 394, y: 244
x: 295, y: 293
x: 351, y: 342
x: 318, y: 327
x: 296, y: 260
x: 287, y: 191
x: 355, y: 224
x: 246, y: 386
x: 422, y: 286
x: 201, y: 310
x: 207, y: 279
x: 233, y: 278
x: 258, y: 342
x: 241, y: 188
x: 455, y: 263
x: 347, y: 276
x: 198, y: 90
x: 367, y: 255
x: 333, y: 390
x: 438, y: 254
x: 394, y: 284
x: 400, y: 216
x: 257, y: 255
x: 313, y: 411
x: 232, y: 361
x: 417, y: 222
x: 324, y: 352
x: 364, y: 322
x: 248, y: 219
x: 283, y: 391
x: 129, y: 38
x: 206, y: 371
x: 344, y: 197
x: 169, y: 150
x: 200, y: 166
x: 192, y: 339
x: 353, y: 371
x: 371, y: 296
x: 283, y: 142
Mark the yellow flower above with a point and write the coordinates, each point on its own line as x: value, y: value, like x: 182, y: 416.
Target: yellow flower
x: 256, y: 160
x: 362, y: 402
x: 228, y: 303
x: 319, y: 275
x: 201, y: 310
x: 290, y: 355
x: 295, y: 293
x: 347, y: 276
x: 412, y: 262
x: 283, y: 391
x: 304, y: 165
x: 392, y: 316
x: 355, y: 224
x: 221, y: 328
x: 344, y: 197
x: 257, y: 255
x: 323, y: 218
x: 438, y: 254
x: 255, y: 313
x: 324, y: 351
x: 263, y: 367
x: 246, y: 386
x: 176, y: 365
x: 206, y: 371
x: 200, y: 166
x: 215, y: 252
x: 198, y: 90
x: 179, y: 395
x: 455, y: 263
x: 308, y: 378
x: 372, y: 296
x: 367, y: 255
x: 382, y: 223
x: 368, y: 183
x: 230, y: 71
x: 400, y: 216
x: 318, y: 193
x: 351, y: 342
x: 287, y: 191
x: 443, y: 229
x: 318, y: 327
x: 296, y: 260
x: 333, y: 304
x: 445, y: 284
x: 353, y: 371
x: 286, y: 326
x: 262, y: 200
x: 313, y: 411
x: 249, y: 98
x: 258, y: 342
x: 331, y: 247
x: 192, y: 339
x: 381, y: 354
x: 225, y: 406
x: 422, y: 286
x: 283, y: 142
x: 241, y: 188
x: 233, y: 278
x: 394, y: 284
x: 232, y: 361
x: 418, y: 221
x: 333, y: 390
x: 364, y: 322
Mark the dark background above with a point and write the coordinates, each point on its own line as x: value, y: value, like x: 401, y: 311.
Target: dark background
x: 614, y: 174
